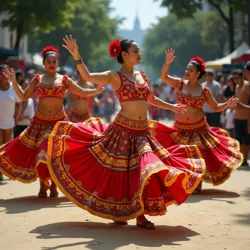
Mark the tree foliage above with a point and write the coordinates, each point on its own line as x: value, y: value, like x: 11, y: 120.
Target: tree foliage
x: 93, y: 29
x: 28, y: 16
x: 213, y: 35
x: 182, y: 35
x: 187, y: 9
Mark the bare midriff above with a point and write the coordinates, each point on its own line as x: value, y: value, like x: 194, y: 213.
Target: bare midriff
x: 136, y: 110
x: 192, y: 115
x: 50, y: 105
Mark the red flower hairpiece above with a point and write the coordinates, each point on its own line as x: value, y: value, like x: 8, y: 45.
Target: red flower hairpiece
x: 200, y: 61
x: 52, y: 49
x: 115, y: 48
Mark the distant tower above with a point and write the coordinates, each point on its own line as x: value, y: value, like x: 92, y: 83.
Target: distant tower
x: 137, y: 23
x: 136, y: 33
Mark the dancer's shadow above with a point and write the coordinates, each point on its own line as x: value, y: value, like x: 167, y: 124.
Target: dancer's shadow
x: 244, y: 168
x: 111, y: 236
x: 31, y: 203
x: 246, y: 193
x: 243, y: 219
x: 215, y: 195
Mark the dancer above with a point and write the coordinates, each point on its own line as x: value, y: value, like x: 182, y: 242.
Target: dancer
x: 79, y: 108
x: 121, y: 172
x: 10, y: 105
x: 25, y: 157
x: 220, y: 152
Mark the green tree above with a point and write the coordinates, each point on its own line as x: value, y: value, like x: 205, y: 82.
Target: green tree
x: 187, y: 9
x: 93, y: 29
x: 28, y: 16
x: 213, y: 35
x: 182, y: 35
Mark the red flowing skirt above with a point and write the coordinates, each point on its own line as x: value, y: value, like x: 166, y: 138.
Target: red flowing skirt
x: 220, y: 152
x: 78, y: 117
x: 25, y: 157
x: 121, y: 171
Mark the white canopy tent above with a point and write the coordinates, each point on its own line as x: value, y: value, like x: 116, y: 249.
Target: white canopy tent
x: 217, y: 64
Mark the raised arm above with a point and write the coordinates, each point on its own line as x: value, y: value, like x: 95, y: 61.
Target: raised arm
x: 157, y: 102
x: 107, y: 77
x: 218, y: 107
x: 84, y: 92
x: 24, y: 95
x: 172, y: 81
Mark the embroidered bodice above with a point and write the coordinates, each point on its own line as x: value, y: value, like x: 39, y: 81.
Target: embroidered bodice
x: 191, y: 101
x: 130, y: 91
x: 58, y: 90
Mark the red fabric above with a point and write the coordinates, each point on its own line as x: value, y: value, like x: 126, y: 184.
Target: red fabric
x: 245, y: 57
x: 121, y: 171
x: 130, y: 91
x: 25, y: 157
x: 220, y: 152
x: 191, y: 101
x: 44, y: 90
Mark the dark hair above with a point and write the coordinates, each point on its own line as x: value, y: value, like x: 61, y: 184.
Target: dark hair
x: 198, y: 68
x: 3, y: 67
x: 19, y: 73
x: 21, y: 82
x: 50, y: 50
x: 125, y: 45
x: 238, y: 72
x: 230, y: 77
x: 247, y: 66
x: 49, y: 53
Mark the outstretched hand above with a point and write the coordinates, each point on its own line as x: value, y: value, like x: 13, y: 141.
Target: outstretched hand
x: 179, y: 108
x: 170, y: 56
x: 71, y: 46
x: 232, y: 102
x: 9, y: 74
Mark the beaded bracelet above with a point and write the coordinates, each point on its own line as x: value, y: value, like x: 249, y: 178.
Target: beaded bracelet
x: 79, y: 61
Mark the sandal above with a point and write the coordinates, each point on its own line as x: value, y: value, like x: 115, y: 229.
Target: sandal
x: 53, y: 193
x: 147, y: 225
x: 53, y: 190
x: 198, y: 189
x: 43, y: 191
x: 122, y: 223
x: 42, y: 194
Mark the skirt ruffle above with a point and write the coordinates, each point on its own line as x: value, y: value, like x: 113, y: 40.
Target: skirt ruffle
x: 25, y: 157
x: 221, y: 152
x: 121, y: 171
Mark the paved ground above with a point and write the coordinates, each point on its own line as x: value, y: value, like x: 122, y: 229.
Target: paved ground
x: 217, y: 219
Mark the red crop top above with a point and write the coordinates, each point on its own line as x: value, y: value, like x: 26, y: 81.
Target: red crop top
x: 191, y: 101
x: 131, y: 91
x: 58, y: 90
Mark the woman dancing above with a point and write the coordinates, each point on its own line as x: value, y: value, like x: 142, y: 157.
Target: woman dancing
x: 220, y: 152
x: 79, y: 108
x: 25, y: 157
x: 121, y: 172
